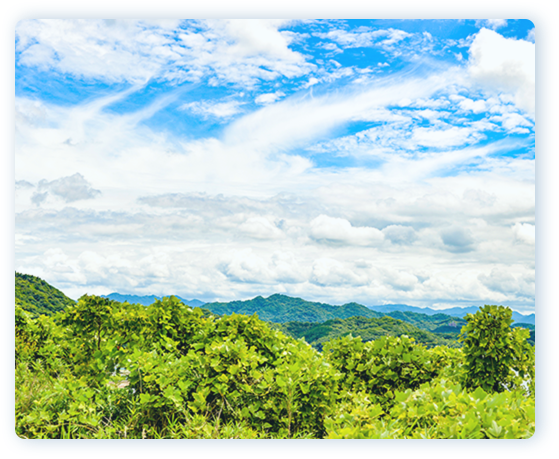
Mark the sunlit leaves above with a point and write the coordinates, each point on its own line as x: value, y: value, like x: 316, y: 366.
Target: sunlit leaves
x: 102, y: 369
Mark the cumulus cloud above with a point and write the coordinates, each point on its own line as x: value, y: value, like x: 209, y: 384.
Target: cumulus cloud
x: 69, y: 189
x: 340, y: 231
x: 261, y: 228
x: 401, y: 235
x: 402, y: 281
x: 525, y: 233
x: 505, y: 65
x: 269, y: 98
x: 513, y: 122
x: 330, y: 272
x: 246, y: 266
x: 457, y: 240
x: 507, y: 282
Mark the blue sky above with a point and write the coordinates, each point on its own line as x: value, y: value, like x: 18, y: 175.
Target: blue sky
x: 335, y: 160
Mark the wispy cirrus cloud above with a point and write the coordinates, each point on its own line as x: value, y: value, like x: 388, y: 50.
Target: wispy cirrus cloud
x: 325, y: 159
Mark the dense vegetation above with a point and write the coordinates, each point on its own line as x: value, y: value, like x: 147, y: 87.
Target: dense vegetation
x: 38, y: 297
x: 531, y: 328
x: 316, y: 334
x: 103, y: 369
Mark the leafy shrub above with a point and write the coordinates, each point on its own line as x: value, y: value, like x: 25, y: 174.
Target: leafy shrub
x: 442, y: 410
x: 382, y: 366
x: 497, y: 357
x: 102, y: 369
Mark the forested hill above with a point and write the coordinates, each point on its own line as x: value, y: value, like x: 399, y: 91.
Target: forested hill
x: 368, y: 329
x: 282, y: 308
x: 37, y: 296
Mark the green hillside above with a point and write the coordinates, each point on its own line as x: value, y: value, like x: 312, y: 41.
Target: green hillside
x: 37, y: 296
x: 282, y: 308
x: 369, y: 329
x: 438, y: 323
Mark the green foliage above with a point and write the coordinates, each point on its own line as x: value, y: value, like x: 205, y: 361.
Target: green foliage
x: 383, y: 366
x: 497, y: 356
x: 102, y: 369
x: 37, y: 297
x: 436, y: 411
x: 316, y: 334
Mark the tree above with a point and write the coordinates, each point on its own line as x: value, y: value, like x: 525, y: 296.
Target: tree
x: 498, y: 357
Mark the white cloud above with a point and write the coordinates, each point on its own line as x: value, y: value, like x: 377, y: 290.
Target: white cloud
x: 261, y: 228
x: 492, y: 23
x: 511, y: 121
x: 525, y: 232
x: 364, y: 38
x: 239, y: 51
x: 401, y: 235
x: 457, y: 240
x: 250, y: 209
x: 297, y: 120
x: 476, y: 106
x: 340, y: 231
x: 443, y: 137
x: 269, y: 97
x: 507, y: 282
x: 70, y: 189
x: 400, y: 281
x: 505, y: 65
x: 213, y: 109
x: 246, y: 266
x: 330, y: 272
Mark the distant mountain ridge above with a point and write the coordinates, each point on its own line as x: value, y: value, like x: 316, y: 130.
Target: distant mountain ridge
x: 146, y: 300
x: 455, y: 312
x: 314, y: 322
x: 282, y: 308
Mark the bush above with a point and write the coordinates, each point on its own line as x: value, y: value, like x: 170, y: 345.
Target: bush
x: 436, y: 411
x: 102, y: 369
x: 497, y: 357
x: 382, y: 366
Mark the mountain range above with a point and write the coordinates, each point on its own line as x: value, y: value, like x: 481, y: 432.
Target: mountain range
x: 283, y: 308
x: 455, y: 312
x: 314, y: 322
x: 146, y: 300
x: 39, y: 297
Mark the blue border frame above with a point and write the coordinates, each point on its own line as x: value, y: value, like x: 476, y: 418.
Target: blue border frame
x: 546, y: 237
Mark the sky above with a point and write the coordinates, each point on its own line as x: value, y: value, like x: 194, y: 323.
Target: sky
x: 376, y: 161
